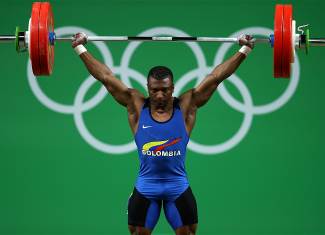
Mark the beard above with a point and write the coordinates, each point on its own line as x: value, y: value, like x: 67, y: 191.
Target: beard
x: 159, y: 104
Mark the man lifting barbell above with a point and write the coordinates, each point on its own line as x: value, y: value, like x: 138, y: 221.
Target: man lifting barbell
x: 161, y: 125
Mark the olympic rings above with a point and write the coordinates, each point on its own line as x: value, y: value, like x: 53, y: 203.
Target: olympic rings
x: 247, y: 107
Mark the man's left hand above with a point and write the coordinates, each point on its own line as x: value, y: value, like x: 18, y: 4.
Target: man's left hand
x: 246, y: 40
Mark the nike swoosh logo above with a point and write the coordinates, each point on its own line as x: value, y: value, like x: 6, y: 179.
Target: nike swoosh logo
x: 145, y: 127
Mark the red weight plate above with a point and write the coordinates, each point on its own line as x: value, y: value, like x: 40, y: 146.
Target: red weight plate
x: 33, y: 47
x: 293, y: 28
x: 287, y: 41
x: 277, y: 48
x: 46, y: 50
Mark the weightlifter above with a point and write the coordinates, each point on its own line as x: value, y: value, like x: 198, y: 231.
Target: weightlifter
x: 162, y: 125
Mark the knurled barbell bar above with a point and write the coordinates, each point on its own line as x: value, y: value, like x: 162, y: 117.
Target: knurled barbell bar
x: 40, y: 38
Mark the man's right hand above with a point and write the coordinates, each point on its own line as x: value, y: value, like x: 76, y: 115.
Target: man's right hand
x: 79, y: 39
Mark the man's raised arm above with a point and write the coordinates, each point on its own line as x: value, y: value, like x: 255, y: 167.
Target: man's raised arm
x: 202, y: 93
x: 120, y: 92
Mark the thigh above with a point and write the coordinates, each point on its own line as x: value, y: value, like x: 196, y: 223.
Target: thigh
x: 143, y: 212
x: 183, y: 211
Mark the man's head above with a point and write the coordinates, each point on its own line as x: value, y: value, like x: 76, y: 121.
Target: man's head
x: 160, y: 85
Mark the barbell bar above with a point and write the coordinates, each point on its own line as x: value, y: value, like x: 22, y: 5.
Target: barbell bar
x: 40, y: 38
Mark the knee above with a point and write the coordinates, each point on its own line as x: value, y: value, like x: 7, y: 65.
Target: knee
x: 192, y: 229
x: 185, y: 230
x: 132, y: 230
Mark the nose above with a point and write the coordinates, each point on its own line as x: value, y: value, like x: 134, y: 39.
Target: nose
x: 160, y: 95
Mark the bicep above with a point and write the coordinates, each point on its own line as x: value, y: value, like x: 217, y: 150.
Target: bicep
x: 120, y: 92
x: 196, y: 97
x: 203, y: 92
x: 189, y: 107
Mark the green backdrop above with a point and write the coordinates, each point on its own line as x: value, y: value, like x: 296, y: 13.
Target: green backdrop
x: 58, y: 172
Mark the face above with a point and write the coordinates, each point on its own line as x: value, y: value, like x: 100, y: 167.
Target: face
x: 160, y: 91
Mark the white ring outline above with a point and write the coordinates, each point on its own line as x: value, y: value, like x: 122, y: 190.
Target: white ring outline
x: 62, y: 108
x: 84, y: 132
x: 266, y: 108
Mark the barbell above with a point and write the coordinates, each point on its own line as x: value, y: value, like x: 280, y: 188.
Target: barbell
x: 40, y: 38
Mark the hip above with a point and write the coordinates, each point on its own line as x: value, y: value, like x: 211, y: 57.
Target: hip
x: 162, y: 189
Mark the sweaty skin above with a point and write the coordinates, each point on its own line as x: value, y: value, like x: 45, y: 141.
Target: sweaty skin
x: 161, y: 99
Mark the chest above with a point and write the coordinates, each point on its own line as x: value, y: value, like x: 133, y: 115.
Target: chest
x: 162, y: 117
x: 166, y: 127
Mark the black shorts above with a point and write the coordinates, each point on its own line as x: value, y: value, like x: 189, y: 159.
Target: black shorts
x: 145, y: 212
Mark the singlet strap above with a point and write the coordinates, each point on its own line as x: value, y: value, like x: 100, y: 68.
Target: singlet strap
x: 176, y: 103
x: 146, y: 103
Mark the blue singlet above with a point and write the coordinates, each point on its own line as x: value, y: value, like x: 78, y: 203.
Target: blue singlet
x: 162, y: 151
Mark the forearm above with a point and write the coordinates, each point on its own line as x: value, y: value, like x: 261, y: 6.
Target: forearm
x: 203, y: 92
x: 103, y: 74
x: 207, y: 87
x: 226, y: 69
x: 97, y: 69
